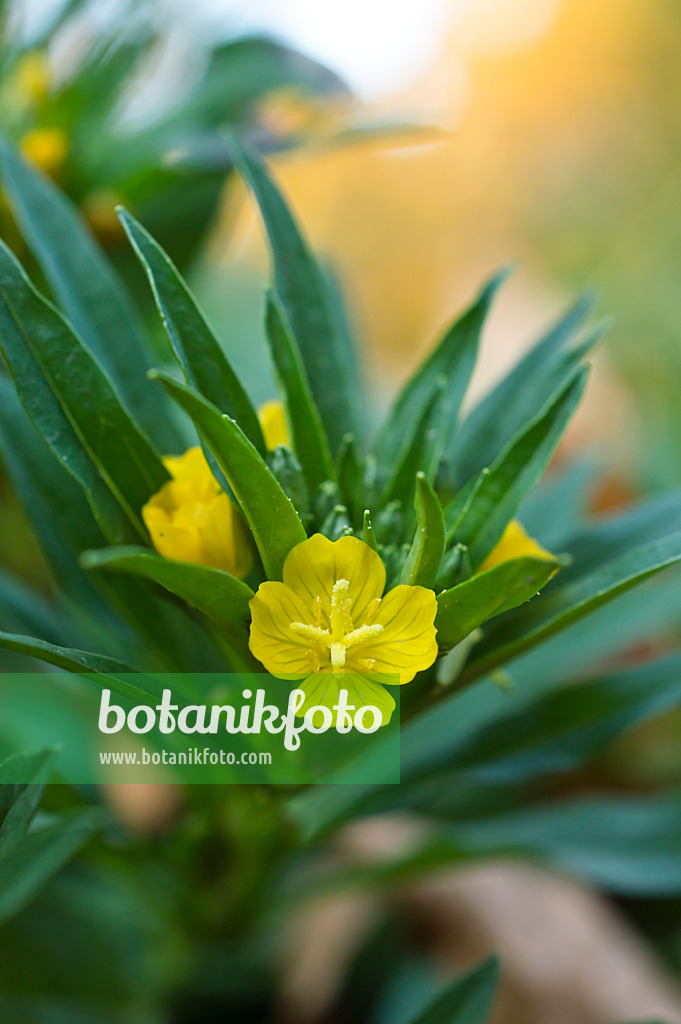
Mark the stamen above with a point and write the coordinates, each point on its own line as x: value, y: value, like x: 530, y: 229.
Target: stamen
x: 314, y: 633
x: 372, y: 610
x: 362, y: 633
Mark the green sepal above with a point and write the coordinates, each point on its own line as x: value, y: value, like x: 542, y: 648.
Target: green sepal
x: 423, y: 561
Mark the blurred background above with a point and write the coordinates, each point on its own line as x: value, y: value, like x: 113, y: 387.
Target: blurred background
x: 422, y: 143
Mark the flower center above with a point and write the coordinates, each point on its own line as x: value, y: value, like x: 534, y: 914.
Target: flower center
x: 341, y: 635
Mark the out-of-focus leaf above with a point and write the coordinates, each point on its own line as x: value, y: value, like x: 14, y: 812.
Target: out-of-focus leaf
x: 221, y: 597
x: 330, y: 364
x: 562, y: 729
x: 22, y: 780
x: 27, y: 866
x: 72, y: 402
x: 452, y: 361
x: 23, y: 608
x: 308, y: 436
x: 627, y: 845
x: 468, y: 605
x: 425, y: 555
x: 468, y: 1001
x: 514, y: 474
x: 204, y: 363
x: 557, y: 508
x: 269, y: 511
x: 565, y: 604
x: 87, y: 288
x: 523, y: 395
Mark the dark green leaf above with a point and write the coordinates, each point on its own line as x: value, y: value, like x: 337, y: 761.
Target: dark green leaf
x: 87, y: 288
x: 22, y: 780
x: 269, y: 511
x: 514, y: 475
x: 423, y: 560
x: 627, y: 845
x: 41, y: 854
x: 468, y: 1001
x: 204, y: 363
x: 329, y: 362
x: 523, y: 395
x: 471, y: 603
x: 422, y: 449
x: 570, y: 601
x: 221, y: 597
x: 72, y: 402
x: 453, y: 361
x: 308, y: 436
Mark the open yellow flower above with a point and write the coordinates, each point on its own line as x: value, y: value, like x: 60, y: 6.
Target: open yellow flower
x: 191, y: 518
x: 515, y: 543
x: 329, y: 624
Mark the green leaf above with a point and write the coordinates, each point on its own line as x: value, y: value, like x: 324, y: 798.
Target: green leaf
x: 204, y: 363
x: 515, y: 473
x: 308, y: 436
x: 221, y: 597
x: 561, y: 730
x: 41, y: 854
x: 422, y: 450
x: 87, y: 288
x: 453, y: 361
x: 468, y: 1001
x: 22, y: 781
x: 270, y: 512
x: 566, y: 603
x: 471, y: 603
x: 523, y: 395
x: 72, y: 402
x: 423, y: 560
x: 626, y: 845
x: 329, y: 361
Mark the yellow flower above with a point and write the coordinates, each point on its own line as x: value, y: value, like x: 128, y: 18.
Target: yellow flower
x: 515, y: 543
x: 273, y: 422
x: 191, y: 518
x: 47, y: 148
x: 329, y: 618
x: 32, y: 78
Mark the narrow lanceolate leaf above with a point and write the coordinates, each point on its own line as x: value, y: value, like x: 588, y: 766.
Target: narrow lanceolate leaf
x: 523, y: 394
x: 515, y: 473
x: 87, y: 288
x: 70, y: 399
x: 471, y: 603
x: 468, y: 1001
x: 204, y: 363
x: 42, y: 853
x: 422, y: 450
x: 453, y: 361
x: 221, y: 597
x: 308, y: 435
x: 107, y: 671
x: 368, y: 535
x: 270, y: 513
x: 564, y: 604
x: 330, y: 362
x: 423, y: 560
x: 22, y: 781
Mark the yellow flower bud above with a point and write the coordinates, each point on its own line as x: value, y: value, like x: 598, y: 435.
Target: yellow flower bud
x: 47, y: 148
x: 273, y: 422
x: 191, y: 519
x: 515, y: 543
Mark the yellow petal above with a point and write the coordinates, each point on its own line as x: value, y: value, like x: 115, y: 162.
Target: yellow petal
x: 515, y: 543
x: 407, y: 644
x: 312, y: 568
x: 273, y: 609
x: 273, y: 422
x: 323, y: 689
x: 46, y: 147
x: 171, y: 541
